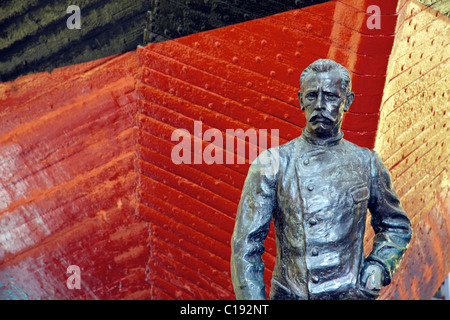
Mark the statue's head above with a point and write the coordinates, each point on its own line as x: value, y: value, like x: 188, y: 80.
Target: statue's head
x: 325, y: 94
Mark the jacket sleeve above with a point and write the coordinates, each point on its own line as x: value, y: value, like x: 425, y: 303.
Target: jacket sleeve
x: 392, y: 226
x: 251, y: 227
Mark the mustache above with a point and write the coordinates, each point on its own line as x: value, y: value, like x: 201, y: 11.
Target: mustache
x: 322, y: 115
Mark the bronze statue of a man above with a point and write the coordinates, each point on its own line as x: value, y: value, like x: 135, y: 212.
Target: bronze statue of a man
x: 317, y: 189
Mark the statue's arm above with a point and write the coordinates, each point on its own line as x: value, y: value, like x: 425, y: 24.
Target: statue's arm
x: 392, y: 226
x: 252, y: 225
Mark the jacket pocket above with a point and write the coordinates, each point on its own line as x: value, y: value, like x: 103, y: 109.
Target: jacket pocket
x: 279, y: 291
x: 360, y: 193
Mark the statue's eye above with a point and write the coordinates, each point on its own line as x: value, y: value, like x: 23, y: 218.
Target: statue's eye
x: 331, y: 97
x: 311, y: 96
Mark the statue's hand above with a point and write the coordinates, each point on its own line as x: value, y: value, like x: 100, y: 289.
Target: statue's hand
x: 372, y: 277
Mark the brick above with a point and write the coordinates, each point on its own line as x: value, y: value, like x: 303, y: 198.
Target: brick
x: 103, y: 176
x: 412, y: 138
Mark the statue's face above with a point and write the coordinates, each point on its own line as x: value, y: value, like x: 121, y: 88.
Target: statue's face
x: 324, y: 103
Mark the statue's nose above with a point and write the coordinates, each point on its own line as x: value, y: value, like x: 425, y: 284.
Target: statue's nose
x: 318, y: 104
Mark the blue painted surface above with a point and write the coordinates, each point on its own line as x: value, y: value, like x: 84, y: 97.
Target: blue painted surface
x: 10, y: 291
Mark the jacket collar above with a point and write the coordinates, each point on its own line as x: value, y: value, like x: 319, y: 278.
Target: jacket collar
x: 308, y: 137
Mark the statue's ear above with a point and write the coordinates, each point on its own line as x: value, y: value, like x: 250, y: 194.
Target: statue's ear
x: 348, y: 100
x: 300, y: 99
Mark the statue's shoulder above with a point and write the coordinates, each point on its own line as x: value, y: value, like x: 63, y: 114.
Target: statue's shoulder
x: 354, y: 149
x: 287, y: 151
x: 291, y: 146
x: 280, y: 155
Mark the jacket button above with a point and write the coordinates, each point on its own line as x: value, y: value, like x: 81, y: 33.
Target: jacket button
x: 315, y: 252
x: 306, y: 162
x: 315, y: 279
x: 310, y: 187
x: 313, y: 221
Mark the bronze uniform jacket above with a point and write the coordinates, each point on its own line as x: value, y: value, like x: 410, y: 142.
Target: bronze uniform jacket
x: 317, y: 193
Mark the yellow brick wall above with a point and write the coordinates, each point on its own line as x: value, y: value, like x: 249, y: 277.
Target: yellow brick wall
x: 413, y: 139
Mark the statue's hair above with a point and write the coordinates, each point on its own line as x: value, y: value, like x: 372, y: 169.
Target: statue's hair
x: 326, y: 65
